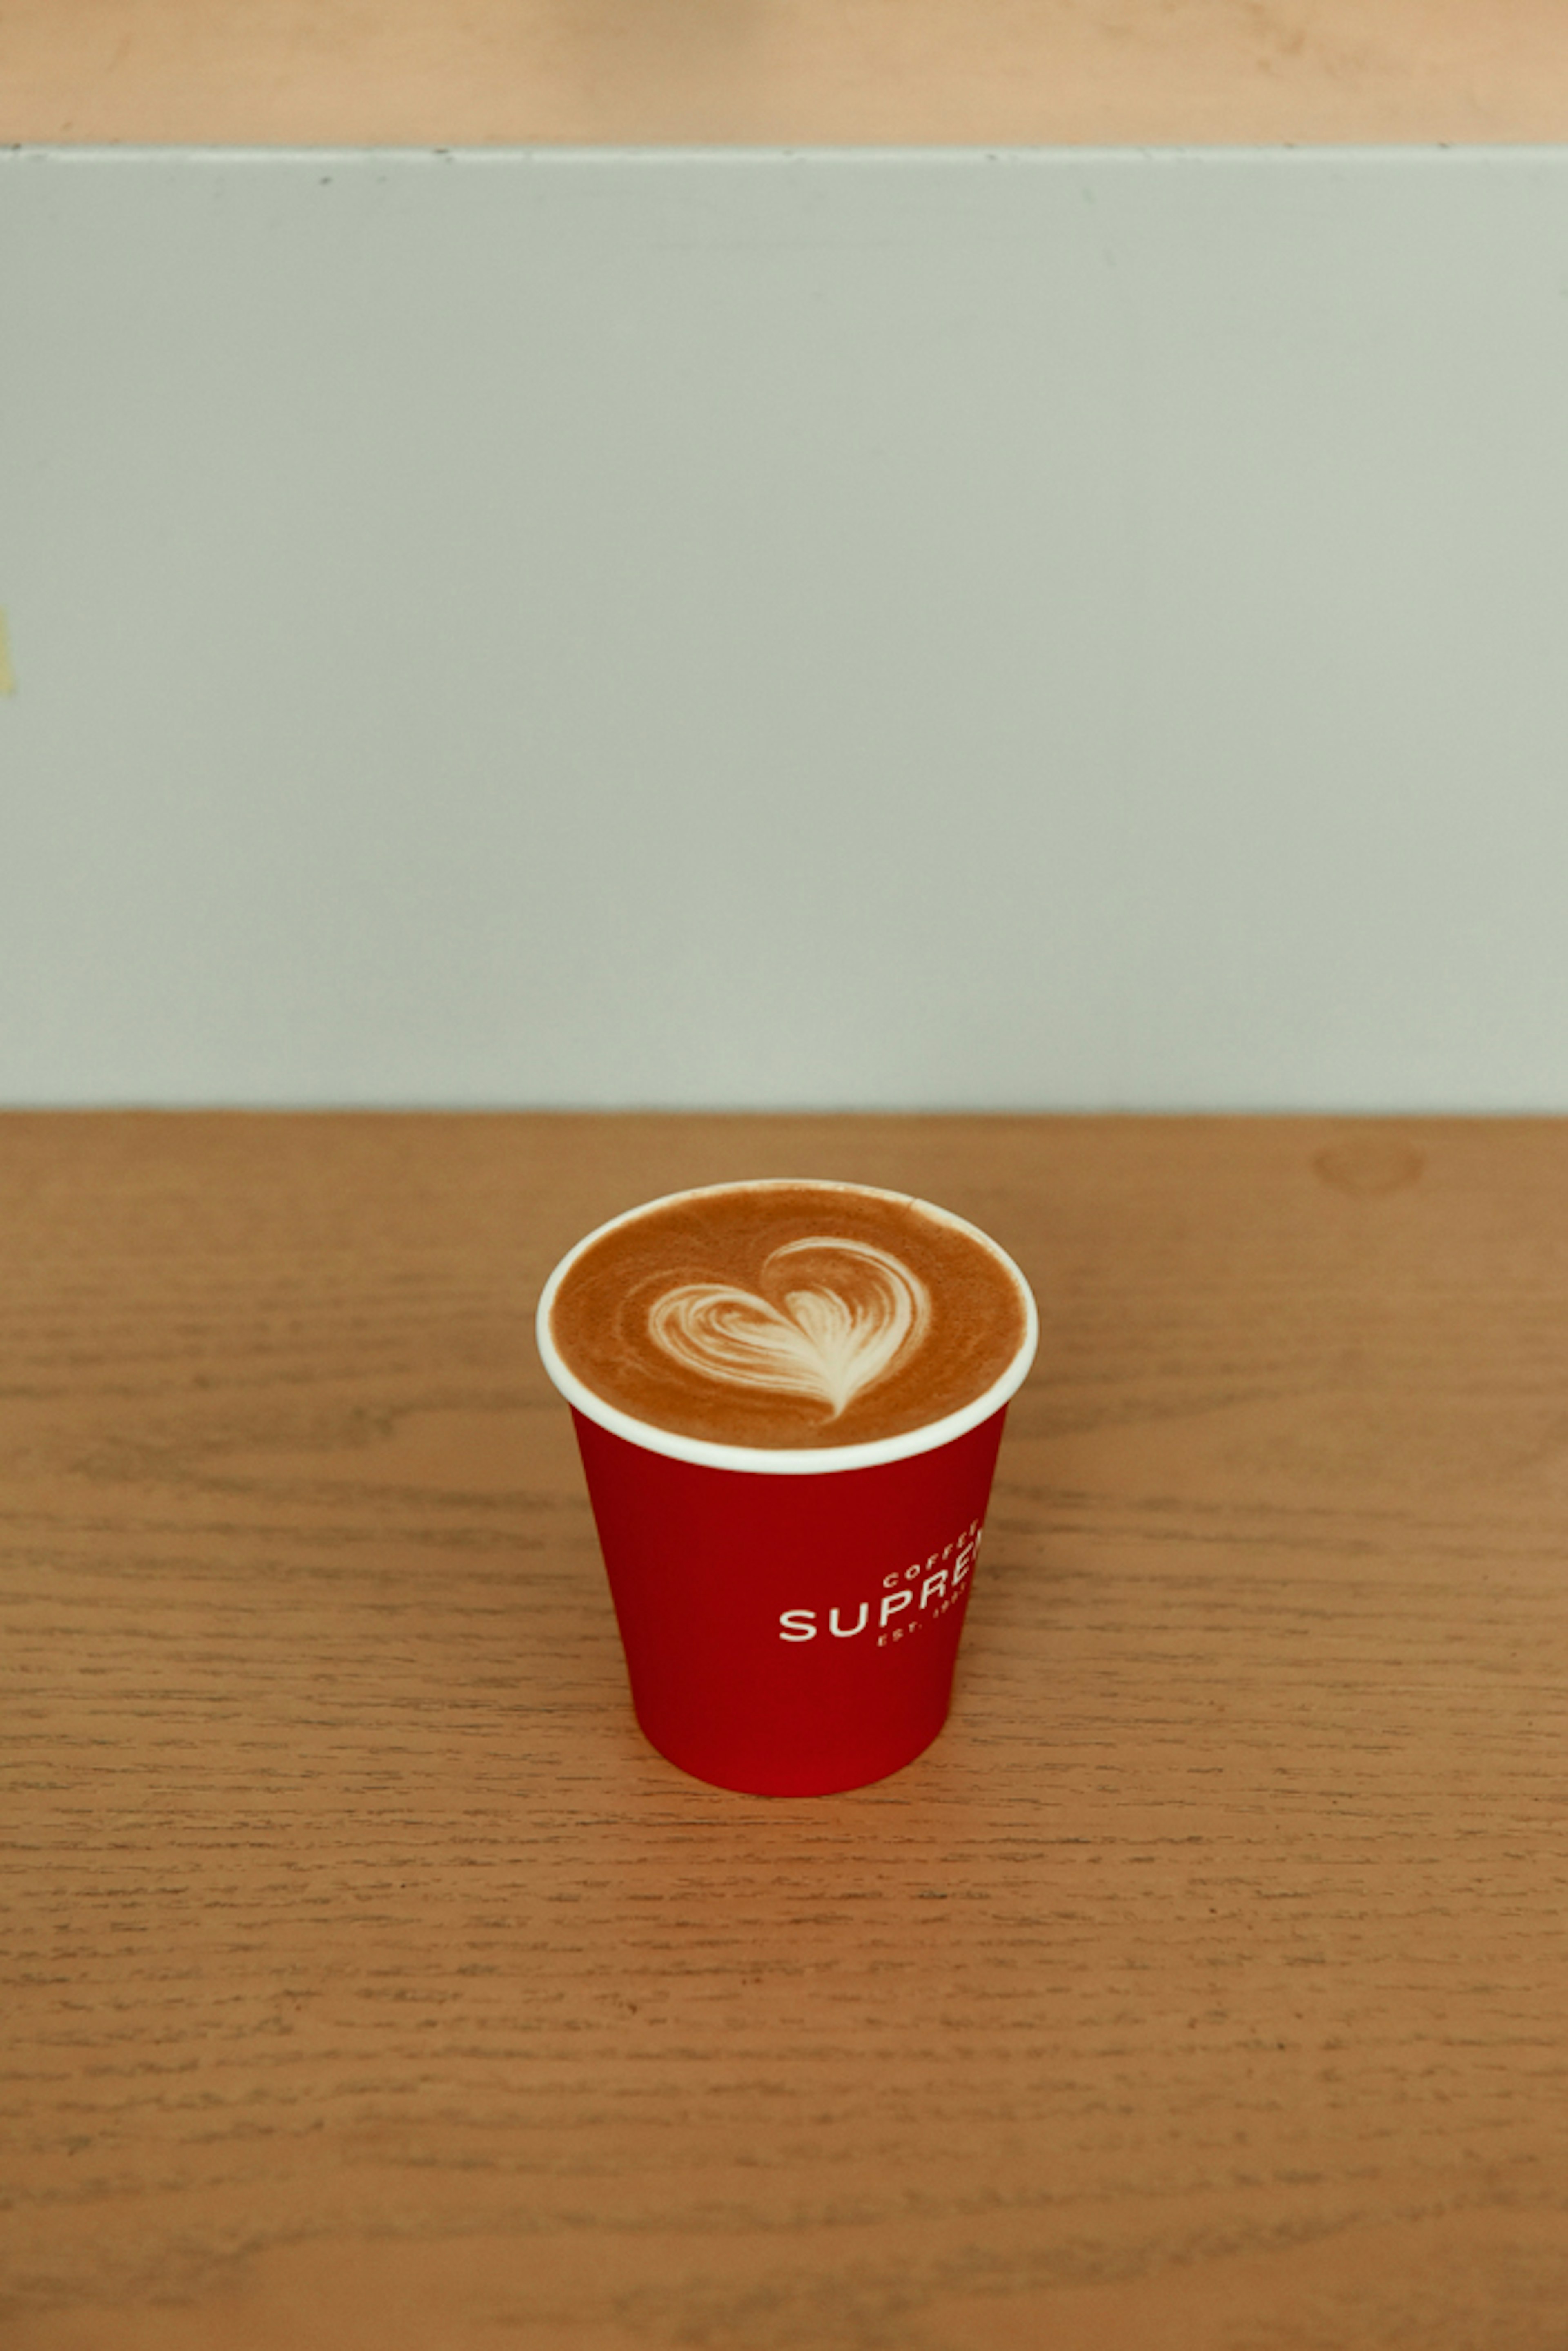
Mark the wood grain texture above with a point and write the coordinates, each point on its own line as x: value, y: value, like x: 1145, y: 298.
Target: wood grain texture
x: 782, y: 72
x: 368, y: 1983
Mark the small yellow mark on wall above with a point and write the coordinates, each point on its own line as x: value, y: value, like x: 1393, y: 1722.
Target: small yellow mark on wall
x: 7, y: 675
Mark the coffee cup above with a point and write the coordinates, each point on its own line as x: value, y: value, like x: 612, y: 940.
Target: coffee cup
x: 788, y: 1398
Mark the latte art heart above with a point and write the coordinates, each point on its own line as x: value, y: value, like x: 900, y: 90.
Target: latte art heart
x: 866, y: 1312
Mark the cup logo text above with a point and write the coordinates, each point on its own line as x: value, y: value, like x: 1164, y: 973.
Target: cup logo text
x: 909, y: 1598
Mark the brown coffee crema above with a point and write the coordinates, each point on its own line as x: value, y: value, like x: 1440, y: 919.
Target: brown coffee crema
x: 788, y: 1314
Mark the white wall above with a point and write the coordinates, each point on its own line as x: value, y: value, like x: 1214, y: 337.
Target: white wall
x: 1037, y: 630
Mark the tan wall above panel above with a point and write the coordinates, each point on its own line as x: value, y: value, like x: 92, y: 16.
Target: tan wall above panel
x: 763, y: 72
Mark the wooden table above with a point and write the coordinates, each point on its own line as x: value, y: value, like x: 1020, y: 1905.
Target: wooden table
x: 370, y: 1985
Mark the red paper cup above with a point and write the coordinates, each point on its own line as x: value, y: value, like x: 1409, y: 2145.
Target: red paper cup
x: 791, y: 1618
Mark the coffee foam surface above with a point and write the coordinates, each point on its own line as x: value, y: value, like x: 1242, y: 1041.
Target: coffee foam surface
x: 788, y: 1314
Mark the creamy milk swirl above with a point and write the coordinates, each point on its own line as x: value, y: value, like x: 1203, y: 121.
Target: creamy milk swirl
x: 864, y: 1312
x: 787, y: 1314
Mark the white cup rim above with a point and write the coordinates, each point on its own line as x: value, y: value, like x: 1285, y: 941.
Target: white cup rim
x: 794, y: 1461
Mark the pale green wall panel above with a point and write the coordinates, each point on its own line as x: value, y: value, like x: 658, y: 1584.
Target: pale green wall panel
x: 1036, y: 631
